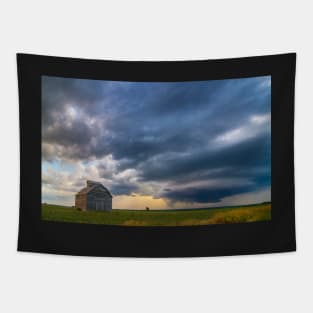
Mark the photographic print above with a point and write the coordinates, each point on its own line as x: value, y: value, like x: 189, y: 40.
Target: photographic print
x: 156, y: 153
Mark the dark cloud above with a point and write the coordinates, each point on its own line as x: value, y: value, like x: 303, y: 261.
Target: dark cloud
x: 123, y: 189
x: 204, y: 195
x: 251, y: 153
x: 168, y: 132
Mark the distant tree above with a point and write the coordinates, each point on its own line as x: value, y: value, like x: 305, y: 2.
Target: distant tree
x: 147, y: 208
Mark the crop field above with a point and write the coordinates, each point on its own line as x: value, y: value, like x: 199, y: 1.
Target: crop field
x: 189, y: 217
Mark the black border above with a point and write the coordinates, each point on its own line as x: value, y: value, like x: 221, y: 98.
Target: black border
x: 277, y: 235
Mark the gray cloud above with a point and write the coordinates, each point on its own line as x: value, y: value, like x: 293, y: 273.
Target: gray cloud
x: 169, y: 133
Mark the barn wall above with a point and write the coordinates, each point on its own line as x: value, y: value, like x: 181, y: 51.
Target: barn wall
x: 108, y: 204
x: 91, y: 202
x: 91, y: 205
x: 80, y: 202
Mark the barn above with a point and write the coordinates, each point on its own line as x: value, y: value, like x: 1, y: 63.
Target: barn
x: 94, y: 197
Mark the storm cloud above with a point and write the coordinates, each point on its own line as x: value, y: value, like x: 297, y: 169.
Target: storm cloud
x: 195, y: 142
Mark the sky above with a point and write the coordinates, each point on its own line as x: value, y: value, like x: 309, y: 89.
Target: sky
x: 158, y: 144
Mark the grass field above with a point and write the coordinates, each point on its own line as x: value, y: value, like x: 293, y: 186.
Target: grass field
x: 242, y: 214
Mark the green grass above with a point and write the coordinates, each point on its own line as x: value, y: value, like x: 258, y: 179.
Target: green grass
x: 225, y: 215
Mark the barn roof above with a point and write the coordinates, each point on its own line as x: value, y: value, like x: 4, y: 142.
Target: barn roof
x: 92, y: 185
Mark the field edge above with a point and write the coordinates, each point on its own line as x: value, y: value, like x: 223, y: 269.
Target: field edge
x: 191, y: 217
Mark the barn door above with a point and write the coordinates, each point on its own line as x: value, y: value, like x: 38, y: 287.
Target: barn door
x: 100, y: 205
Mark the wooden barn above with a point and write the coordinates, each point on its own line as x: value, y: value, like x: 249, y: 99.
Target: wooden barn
x: 94, y: 197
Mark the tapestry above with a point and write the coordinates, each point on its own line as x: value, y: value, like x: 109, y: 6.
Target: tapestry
x: 158, y: 158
